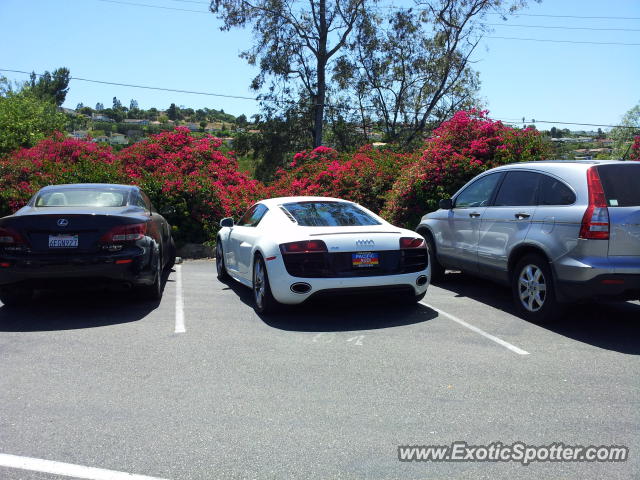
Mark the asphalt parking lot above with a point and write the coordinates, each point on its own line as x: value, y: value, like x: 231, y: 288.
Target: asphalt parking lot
x: 200, y: 387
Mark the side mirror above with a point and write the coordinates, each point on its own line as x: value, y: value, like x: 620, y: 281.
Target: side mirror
x: 446, y: 204
x: 226, y: 222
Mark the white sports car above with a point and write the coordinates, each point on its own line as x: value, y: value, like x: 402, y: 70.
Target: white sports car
x: 292, y: 248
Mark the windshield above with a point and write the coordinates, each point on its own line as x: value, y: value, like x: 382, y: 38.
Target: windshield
x: 620, y: 184
x: 76, y: 197
x: 329, y: 214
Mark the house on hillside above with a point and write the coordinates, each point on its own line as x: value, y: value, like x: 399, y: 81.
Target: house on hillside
x: 101, y: 139
x: 99, y: 117
x: 79, y: 134
x: 136, y: 121
x: 118, y: 139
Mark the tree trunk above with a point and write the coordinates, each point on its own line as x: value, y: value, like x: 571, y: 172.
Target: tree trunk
x: 318, y: 116
x: 321, y: 87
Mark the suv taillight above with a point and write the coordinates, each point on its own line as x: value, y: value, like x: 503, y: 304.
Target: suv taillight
x: 125, y: 233
x: 595, y: 222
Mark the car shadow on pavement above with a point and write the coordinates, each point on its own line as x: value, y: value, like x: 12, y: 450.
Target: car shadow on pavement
x: 340, y: 314
x: 609, y: 325
x: 76, y: 309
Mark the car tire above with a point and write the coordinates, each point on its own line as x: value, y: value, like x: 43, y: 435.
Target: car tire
x: 154, y: 291
x: 533, y: 290
x: 263, y: 300
x: 15, y: 297
x: 221, y: 268
x: 437, y: 270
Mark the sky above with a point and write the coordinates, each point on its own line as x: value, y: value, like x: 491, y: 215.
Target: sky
x: 179, y: 45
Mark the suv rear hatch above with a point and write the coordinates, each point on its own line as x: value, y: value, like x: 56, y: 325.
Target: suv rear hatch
x: 621, y: 184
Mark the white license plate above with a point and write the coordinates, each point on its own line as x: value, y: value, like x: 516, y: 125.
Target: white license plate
x: 63, y: 241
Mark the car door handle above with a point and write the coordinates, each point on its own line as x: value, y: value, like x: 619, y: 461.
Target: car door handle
x: 474, y: 214
x: 522, y: 216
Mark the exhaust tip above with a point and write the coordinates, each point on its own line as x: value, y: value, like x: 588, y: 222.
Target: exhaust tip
x: 300, y: 287
x: 421, y: 280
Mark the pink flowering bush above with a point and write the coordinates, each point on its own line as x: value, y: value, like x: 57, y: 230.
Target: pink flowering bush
x: 190, y: 175
x: 54, y: 160
x: 461, y: 148
x: 363, y: 177
x: 635, y: 149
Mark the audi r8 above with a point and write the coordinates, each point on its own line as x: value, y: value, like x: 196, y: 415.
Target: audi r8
x: 84, y: 235
x: 291, y: 249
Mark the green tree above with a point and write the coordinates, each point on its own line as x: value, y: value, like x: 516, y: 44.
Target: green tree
x: 50, y: 86
x: 293, y: 45
x: 26, y: 118
x: 174, y: 112
x: 623, y: 135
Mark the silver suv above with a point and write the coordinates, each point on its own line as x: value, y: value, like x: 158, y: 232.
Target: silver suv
x: 555, y: 231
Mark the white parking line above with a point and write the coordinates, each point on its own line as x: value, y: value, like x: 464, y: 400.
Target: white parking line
x: 67, y: 469
x: 473, y: 328
x: 179, y: 302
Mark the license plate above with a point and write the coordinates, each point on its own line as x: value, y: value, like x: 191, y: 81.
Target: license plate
x: 367, y: 259
x: 63, y: 241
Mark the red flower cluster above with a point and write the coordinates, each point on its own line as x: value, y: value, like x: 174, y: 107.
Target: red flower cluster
x: 363, y: 177
x: 175, y: 169
x: 635, y: 149
x: 458, y: 150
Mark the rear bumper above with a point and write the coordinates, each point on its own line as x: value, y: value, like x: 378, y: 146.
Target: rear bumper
x: 281, y: 281
x: 613, y: 286
x: 129, y: 267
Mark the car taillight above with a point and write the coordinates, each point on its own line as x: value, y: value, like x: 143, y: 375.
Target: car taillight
x: 308, y: 246
x: 411, y: 242
x: 595, y: 222
x: 9, y: 236
x: 125, y: 233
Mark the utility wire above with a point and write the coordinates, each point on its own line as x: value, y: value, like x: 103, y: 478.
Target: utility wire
x: 564, y: 27
x: 119, y: 2
x: 291, y: 102
x: 143, y: 86
x: 563, y: 41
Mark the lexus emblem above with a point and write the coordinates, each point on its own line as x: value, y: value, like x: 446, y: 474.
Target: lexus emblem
x: 63, y: 222
x: 365, y: 243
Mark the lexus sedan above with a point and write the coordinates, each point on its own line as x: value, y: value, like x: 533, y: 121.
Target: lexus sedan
x: 555, y: 231
x: 293, y: 248
x: 84, y: 235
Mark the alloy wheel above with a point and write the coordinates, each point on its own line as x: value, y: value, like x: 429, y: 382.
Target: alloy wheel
x: 259, y: 287
x: 532, y: 288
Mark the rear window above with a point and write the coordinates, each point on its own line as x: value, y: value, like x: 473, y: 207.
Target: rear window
x: 76, y: 197
x: 621, y: 184
x: 328, y: 214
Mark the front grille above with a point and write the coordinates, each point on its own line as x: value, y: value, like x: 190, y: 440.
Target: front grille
x: 339, y: 265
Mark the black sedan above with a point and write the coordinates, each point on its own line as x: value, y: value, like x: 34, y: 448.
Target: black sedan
x: 84, y: 235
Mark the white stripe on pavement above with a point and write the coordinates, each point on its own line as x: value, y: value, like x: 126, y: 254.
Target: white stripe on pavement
x: 67, y: 469
x: 179, y: 302
x: 473, y: 328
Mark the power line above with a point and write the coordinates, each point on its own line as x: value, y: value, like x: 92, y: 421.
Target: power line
x: 119, y: 2
x: 291, y: 102
x: 567, y: 16
x: 564, y: 27
x: 163, y: 89
x: 564, y: 41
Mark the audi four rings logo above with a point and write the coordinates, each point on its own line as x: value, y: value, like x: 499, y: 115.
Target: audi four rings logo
x: 365, y: 243
x: 63, y: 222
